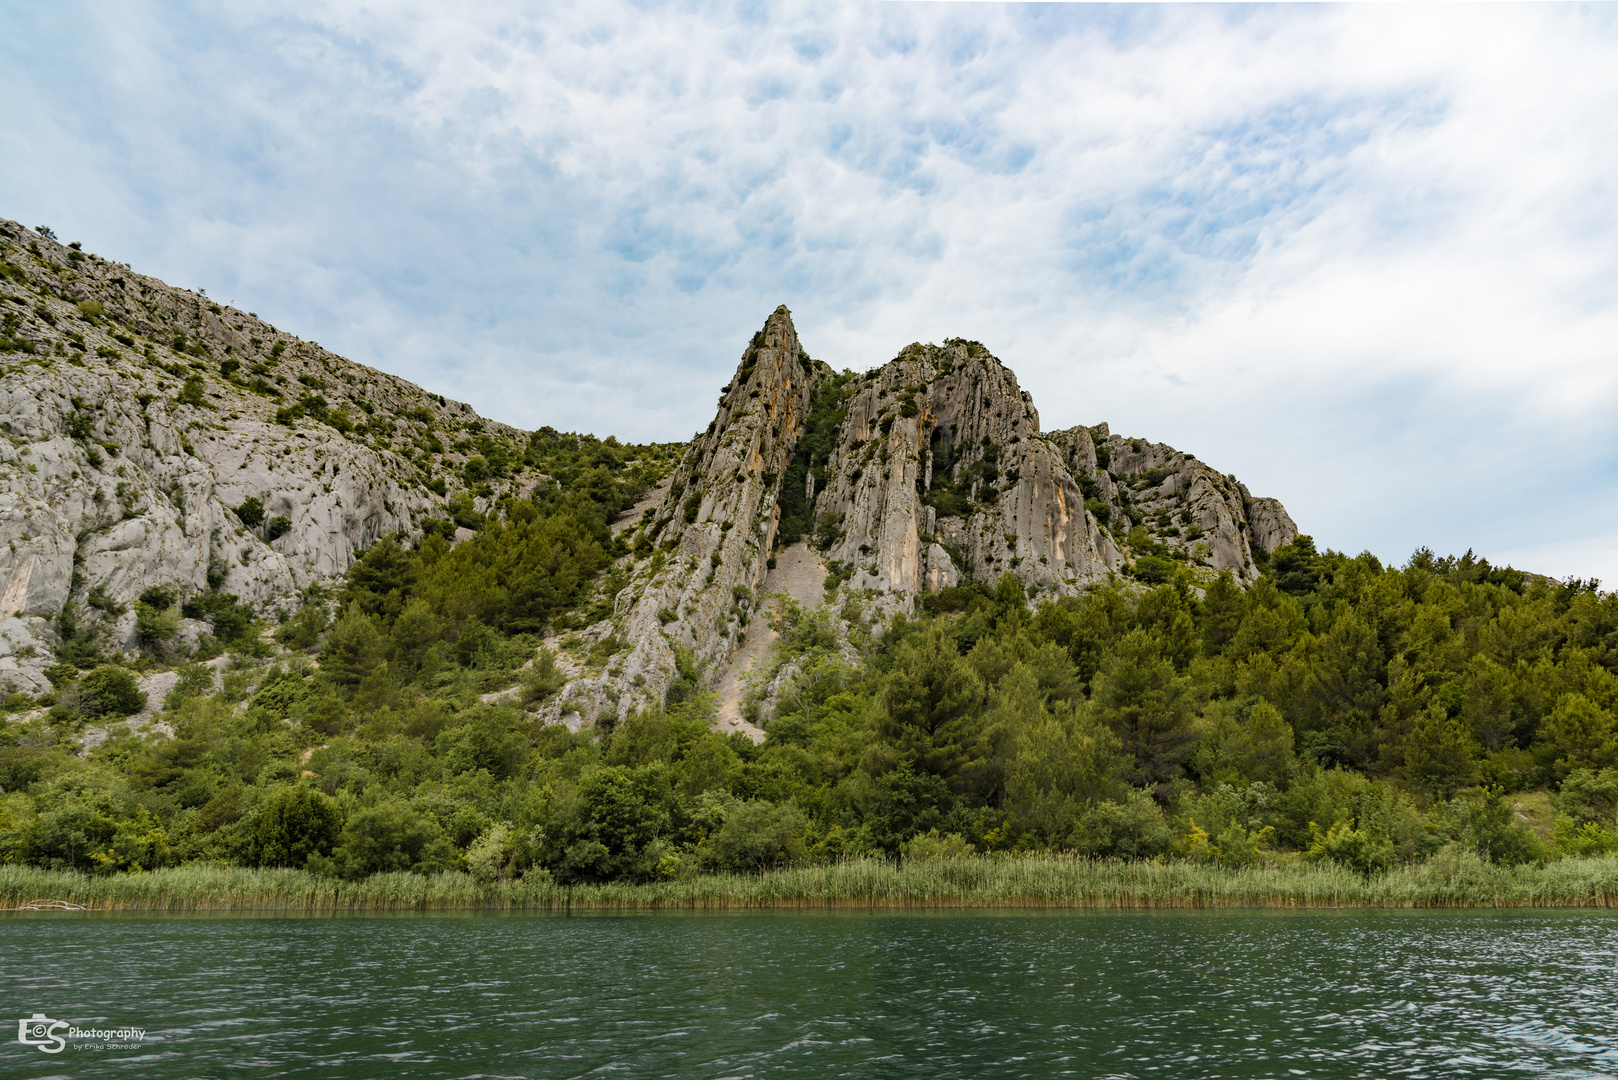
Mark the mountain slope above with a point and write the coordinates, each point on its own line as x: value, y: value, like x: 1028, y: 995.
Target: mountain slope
x: 138, y: 417
x: 159, y: 441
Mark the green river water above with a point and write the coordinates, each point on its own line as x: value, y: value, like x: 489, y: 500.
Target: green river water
x: 801, y: 994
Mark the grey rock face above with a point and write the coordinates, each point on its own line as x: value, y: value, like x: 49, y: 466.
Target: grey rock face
x: 939, y: 473
x: 715, y: 527
x: 1187, y: 510
x: 116, y: 477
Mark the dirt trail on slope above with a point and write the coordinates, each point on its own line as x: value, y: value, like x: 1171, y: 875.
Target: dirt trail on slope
x: 798, y: 573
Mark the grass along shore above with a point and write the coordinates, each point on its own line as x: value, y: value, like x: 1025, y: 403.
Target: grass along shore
x: 974, y: 882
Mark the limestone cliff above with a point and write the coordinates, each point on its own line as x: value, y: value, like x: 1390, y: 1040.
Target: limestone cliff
x: 1186, y: 510
x: 941, y: 473
x: 713, y: 530
x: 138, y: 417
x: 913, y: 477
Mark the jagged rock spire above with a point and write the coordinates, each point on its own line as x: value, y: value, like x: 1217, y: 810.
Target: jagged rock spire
x: 938, y: 472
x: 715, y: 528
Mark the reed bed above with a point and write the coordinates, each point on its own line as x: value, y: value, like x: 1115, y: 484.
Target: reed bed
x: 976, y: 882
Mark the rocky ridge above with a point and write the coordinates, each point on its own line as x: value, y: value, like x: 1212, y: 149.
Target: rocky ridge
x: 137, y: 417
x: 704, y: 548
x: 913, y: 477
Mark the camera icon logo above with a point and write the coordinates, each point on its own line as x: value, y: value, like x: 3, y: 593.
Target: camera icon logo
x: 41, y: 1031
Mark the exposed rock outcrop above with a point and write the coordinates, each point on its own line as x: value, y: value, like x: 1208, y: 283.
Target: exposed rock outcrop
x: 916, y: 476
x: 1187, y: 510
x: 941, y: 473
x: 713, y: 530
x: 138, y: 417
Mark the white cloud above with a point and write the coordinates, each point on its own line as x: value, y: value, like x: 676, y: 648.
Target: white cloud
x: 1361, y: 256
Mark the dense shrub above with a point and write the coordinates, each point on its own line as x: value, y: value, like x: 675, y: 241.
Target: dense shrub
x: 251, y: 512
x: 295, y: 824
x: 392, y: 837
x: 110, y: 691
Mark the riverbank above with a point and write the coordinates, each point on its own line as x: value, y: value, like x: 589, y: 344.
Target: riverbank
x: 1026, y: 882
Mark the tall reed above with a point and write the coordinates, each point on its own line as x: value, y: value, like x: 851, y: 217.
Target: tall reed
x: 974, y: 882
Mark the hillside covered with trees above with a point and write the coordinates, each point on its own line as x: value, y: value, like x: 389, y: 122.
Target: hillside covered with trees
x: 1335, y: 709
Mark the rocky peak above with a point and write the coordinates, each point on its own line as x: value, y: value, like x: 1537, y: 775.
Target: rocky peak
x: 915, y: 476
x: 705, y: 547
x: 731, y: 472
x: 941, y: 473
x: 1162, y: 503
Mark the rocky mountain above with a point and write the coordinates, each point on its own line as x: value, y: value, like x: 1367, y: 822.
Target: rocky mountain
x: 157, y: 440
x: 915, y: 476
x: 138, y: 419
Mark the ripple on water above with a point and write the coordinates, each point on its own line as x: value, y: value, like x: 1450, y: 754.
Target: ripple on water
x: 1183, y: 995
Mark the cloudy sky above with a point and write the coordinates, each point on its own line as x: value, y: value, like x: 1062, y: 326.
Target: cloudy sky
x: 1366, y: 258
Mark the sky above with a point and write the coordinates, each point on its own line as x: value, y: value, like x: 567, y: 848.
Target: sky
x: 1363, y: 257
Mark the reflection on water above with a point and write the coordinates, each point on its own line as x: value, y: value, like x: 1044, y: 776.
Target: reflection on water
x: 1220, y: 994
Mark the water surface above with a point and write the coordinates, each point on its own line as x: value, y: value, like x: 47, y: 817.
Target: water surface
x: 792, y: 994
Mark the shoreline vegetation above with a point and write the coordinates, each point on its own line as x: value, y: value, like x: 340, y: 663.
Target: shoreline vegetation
x: 1450, y: 880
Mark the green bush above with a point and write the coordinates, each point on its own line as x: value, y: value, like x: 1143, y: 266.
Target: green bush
x: 110, y: 691
x: 303, y: 630
x: 1154, y: 570
x: 438, y: 527
x: 61, y: 675
x: 195, y: 680
x: 543, y: 680
x: 1588, y: 795
x: 251, y: 512
x: 354, y: 648
x: 930, y: 846
x: 758, y: 835
x: 391, y: 837
x: 610, y: 826
x: 948, y: 503
x: 1357, y: 849
x: 231, y: 619
x: 295, y: 824
x: 160, y: 597
x: 153, y: 626
x: 464, y: 512
x: 1133, y: 828
x: 492, y: 855
x: 1489, y: 826
x: 280, y: 692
